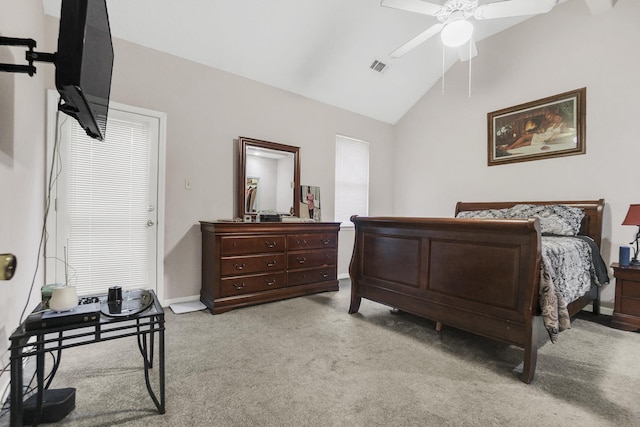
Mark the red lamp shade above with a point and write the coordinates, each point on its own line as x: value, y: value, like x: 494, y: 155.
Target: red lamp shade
x: 633, y: 216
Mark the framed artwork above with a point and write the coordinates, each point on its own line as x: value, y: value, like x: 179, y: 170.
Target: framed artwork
x: 548, y: 127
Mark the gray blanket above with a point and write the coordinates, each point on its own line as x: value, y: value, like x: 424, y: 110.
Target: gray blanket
x: 570, y: 265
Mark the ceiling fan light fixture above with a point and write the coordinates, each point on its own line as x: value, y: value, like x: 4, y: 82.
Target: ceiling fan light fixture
x: 456, y: 33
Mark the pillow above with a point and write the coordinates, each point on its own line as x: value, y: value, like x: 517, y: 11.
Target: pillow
x: 554, y: 219
x: 485, y: 214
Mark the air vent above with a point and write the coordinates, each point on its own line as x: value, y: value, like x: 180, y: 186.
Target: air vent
x: 377, y: 66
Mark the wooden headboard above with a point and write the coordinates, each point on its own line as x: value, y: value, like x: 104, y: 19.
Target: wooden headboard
x: 591, y: 223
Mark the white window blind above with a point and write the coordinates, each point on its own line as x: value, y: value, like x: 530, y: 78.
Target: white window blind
x: 352, y: 179
x: 107, y: 212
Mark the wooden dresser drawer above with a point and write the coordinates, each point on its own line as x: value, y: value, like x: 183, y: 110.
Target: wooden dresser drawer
x: 297, y: 242
x: 235, y: 266
x: 312, y: 275
x: 247, y: 284
x: 631, y: 289
x: 310, y: 259
x: 238, y: 245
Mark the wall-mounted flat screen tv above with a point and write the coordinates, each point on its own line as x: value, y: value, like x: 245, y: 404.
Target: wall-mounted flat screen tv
x: 84, y: 62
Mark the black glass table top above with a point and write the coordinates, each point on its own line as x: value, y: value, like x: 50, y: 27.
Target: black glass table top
x: 132, y: 303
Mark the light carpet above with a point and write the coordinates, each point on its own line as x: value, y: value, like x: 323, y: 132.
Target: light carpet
x: 306, y: 362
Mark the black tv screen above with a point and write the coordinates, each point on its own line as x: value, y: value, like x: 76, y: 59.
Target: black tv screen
x: 84, y: 62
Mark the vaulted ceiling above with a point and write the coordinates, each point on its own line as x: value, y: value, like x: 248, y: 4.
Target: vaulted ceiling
x: 320, y: 49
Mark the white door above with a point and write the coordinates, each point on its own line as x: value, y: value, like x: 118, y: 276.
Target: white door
x: 104, y: 210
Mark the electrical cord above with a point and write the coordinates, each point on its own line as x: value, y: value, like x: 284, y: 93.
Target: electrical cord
x: 4, y: 409
x: 28, y: 388
x: 52, y: 180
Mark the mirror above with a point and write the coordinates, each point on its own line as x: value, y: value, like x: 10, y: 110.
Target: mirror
x: 268, y: 175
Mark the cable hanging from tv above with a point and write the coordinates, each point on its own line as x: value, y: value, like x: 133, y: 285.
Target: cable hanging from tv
x: 30, y: 56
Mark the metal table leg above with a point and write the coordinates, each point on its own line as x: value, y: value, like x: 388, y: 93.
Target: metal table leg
x: 16, y: 385
x: 147, y: 349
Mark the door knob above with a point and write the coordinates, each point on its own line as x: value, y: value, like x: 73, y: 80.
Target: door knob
x: 8, y: 266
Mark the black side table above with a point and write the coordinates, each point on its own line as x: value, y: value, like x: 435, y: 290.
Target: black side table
x: 145, y: 325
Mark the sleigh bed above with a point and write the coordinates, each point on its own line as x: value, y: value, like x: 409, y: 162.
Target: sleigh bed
x: 482, y: 271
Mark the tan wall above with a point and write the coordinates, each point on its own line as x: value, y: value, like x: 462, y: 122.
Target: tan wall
x: 206, y: 110
x: 441, y: 144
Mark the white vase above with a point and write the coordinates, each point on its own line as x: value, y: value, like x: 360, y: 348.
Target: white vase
x: 63, y: 298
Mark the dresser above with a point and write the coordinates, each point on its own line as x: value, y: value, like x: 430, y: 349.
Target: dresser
x: 626, y: 313
x: 251, y: 263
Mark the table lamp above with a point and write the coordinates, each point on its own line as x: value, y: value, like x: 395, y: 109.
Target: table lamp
x: 633, y: 218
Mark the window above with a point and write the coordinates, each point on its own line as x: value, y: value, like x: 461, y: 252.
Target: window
x: 352, y: 179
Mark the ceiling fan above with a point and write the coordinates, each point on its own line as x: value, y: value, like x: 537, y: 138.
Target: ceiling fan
x: 454, y: 27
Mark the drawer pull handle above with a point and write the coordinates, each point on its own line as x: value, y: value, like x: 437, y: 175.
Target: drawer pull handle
x: 270, y: 244
x: 239, y: 286
x: 271, y: 264
x: 239, y: 266
x: 270, y: 282
x: 301, y: 260
x: 301, y: 242
x: 324, y: 274
x: 325, y: 241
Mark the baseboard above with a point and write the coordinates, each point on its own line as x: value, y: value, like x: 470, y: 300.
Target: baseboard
x: 168, y: 302
x: 605, y: 311
x: 343, y: 276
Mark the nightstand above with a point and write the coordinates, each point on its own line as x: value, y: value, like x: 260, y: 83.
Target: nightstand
x: 626, y: 314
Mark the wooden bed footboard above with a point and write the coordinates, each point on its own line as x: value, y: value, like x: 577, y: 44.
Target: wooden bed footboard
x: 478, y: 276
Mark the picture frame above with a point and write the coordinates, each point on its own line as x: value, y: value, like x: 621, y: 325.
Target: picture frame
x: 545, y: 128
x: 310, y: 203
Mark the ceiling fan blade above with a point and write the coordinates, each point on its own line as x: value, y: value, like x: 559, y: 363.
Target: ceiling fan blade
x: 417, y: 40
x: 504, y: 9
x: 417, y: 6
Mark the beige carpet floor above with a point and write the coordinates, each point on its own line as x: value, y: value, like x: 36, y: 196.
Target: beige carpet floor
x: 306, y: 362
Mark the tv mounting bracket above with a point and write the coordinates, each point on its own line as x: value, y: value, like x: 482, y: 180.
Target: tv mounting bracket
x: 30, y: 56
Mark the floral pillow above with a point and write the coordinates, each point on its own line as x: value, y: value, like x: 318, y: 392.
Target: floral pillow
x: 554, y: 219
x: 485, y: 214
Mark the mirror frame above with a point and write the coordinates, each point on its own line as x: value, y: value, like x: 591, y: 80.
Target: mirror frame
x: 244, y: 143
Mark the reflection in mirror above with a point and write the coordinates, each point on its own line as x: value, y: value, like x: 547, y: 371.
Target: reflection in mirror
x: 269, y: 173
x: 252, y: 191
x: 269, y: 180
